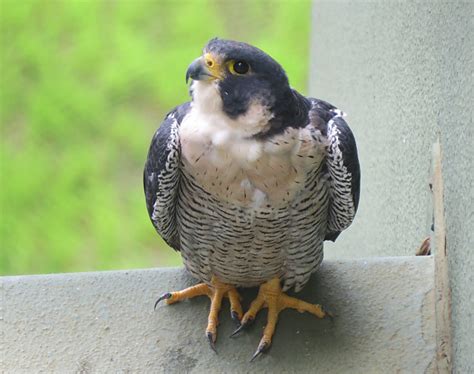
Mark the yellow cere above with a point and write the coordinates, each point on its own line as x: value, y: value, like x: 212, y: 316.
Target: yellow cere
x: 213, y: 65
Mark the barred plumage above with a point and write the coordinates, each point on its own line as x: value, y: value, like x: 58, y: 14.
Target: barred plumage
x: 243, y: 245
x: 246, y: 247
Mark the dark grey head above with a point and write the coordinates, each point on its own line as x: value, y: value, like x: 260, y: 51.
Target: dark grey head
x: 245, y: 75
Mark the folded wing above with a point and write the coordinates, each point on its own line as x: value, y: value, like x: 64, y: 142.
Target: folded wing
x: 161, y: 177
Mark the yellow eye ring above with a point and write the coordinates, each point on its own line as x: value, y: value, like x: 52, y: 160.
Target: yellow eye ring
x: 238, y: 67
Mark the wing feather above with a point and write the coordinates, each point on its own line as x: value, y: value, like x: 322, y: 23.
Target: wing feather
x: 161, y: 176
x: 343, y: 166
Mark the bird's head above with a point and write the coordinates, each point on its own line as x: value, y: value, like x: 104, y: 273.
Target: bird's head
x: 240, y: 80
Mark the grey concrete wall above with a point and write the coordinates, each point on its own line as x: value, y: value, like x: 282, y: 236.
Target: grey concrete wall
x: 456, y: 102
x: 403, y: 72
x: 104, y: 322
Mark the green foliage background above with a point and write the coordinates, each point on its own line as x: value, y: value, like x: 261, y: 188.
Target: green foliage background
x: 83, y: 86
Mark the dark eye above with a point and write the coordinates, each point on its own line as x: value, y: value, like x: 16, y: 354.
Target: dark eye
x: 240, y: 67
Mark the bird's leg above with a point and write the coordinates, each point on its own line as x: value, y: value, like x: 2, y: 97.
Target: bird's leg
x: 216, y: 292
x: 271, y: 296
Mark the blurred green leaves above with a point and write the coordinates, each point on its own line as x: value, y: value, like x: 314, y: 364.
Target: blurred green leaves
x: 83, y: 86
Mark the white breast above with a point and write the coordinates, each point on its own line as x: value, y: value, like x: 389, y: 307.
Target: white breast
x: 227, y: 162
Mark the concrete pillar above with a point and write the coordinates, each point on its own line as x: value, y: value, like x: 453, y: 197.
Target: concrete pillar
x: 403, y: 73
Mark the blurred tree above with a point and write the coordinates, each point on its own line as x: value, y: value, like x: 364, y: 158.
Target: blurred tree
x: 83, y: 86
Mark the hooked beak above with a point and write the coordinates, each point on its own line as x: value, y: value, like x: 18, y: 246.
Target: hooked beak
x: 199, y: 71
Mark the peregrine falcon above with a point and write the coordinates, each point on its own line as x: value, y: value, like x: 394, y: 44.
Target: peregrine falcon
x: 247, y: 180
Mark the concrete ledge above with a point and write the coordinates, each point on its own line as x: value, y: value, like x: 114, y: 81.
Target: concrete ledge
x: 98, y: 322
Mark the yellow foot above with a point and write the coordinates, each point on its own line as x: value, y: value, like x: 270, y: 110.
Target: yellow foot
x: 271, y: 296
x: 216, y: 292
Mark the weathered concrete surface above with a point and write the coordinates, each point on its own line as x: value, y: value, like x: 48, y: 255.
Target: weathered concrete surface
x: 456, y: 127
x: 403, y: 73
x: 104, y: 322
x: 373, y: 60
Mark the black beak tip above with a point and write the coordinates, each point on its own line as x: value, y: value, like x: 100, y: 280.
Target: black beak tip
x: 196, y: 70
x: 192, y: 70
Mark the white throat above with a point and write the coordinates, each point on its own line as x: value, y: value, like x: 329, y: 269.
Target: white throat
x: 207, y: 106
x: 225, y: 158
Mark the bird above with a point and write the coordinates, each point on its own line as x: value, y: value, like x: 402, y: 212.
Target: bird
x: 247, y: 180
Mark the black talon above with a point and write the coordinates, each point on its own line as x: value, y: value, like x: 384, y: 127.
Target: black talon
x: 165, y: 296
x: 329, y: 315
x: 212, y: 339
x: 239, y: 329
x: 244, y: 325
x: 262, y: 347
x: 235, y: 316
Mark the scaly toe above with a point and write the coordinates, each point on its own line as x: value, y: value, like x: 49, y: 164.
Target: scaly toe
x: 216, y: 292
